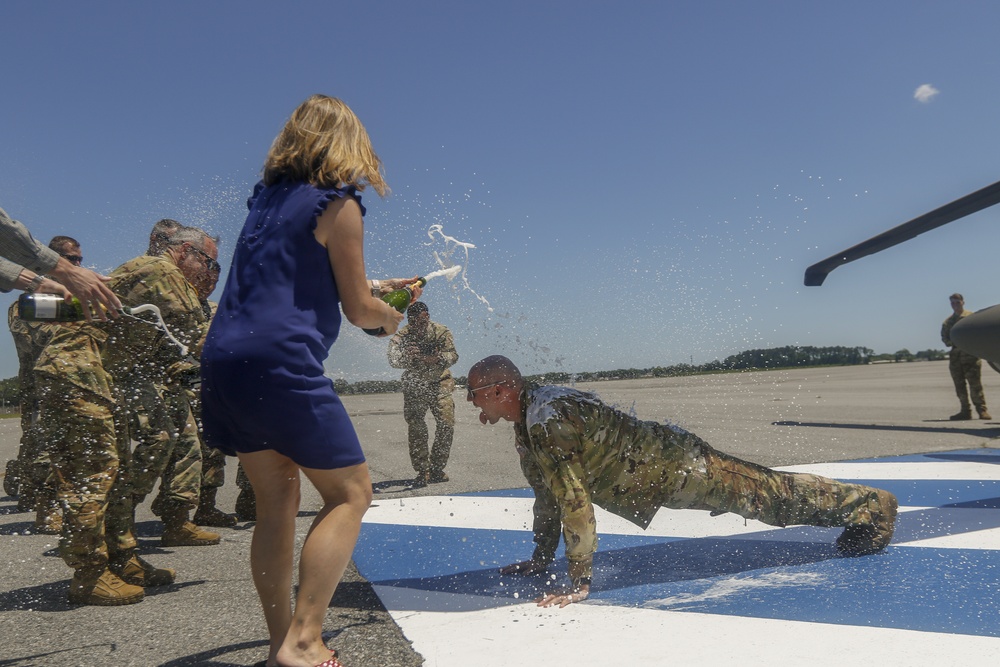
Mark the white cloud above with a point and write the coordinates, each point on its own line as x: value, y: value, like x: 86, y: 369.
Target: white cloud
x: 925, y: 93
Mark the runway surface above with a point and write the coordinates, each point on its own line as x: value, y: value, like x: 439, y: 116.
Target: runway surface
x: 708, y: 589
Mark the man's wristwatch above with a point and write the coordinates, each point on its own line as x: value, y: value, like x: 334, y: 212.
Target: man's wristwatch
x: 376, y: 289
x: 35, y: 283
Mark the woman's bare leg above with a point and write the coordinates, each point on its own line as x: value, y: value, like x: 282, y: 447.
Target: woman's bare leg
x: 275, y: 480
x: 346, y: 493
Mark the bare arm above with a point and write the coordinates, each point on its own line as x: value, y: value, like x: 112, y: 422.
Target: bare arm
x: 89, y: 287
x: 340, y: 229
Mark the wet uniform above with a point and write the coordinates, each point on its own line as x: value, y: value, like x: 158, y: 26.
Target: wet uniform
x: 427, y: 387
x: 82, y: 409
x: 577, y: 452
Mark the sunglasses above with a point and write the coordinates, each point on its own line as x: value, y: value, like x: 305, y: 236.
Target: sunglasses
x: 210, y: 264
x: 74, y: 259
x: 472, y: 392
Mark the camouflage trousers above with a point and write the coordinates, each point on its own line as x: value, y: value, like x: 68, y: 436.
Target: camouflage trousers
x: 167, y: 448
x: 966, y: 373
x: 33, y: 466
x: 89, y: 448
x: 776, y: 498
x: 213, y: 461
x: 418, y: 398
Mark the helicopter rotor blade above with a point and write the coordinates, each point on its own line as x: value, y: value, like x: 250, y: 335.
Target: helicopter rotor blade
x: 967, y: 205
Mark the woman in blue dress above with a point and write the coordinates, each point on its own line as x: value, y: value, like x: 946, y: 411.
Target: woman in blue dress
x: 298, y: 260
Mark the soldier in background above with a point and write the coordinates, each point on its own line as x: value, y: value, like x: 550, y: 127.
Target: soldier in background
x: 28, y: 477
x: 577, y: 452
x: 965, y: 368
x: 213, y: 461
x: 426, y: 350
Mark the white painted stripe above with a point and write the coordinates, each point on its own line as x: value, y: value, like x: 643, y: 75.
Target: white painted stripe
x: 593, y: 634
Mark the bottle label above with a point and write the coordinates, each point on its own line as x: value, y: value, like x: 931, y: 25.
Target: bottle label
x: 47, y: 306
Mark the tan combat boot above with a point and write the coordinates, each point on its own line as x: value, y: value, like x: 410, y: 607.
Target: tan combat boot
x: 131, y: 569
x: 48, y: 514
x: 178, y: 531
x: 48, y: 520
x: 965, y: 414
x: 99, y: 587
x: 985, y: 414
x: 12, y: 478
x: 867, y: 538
x: 210, y: 515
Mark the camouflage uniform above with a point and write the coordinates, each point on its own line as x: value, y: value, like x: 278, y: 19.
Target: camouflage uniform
x: 427, y: 386
x: 965, y: 370
x: 167, y: 444
x: 87, y: 445
x: 213, y: 461
x: 29, y: 474
x: 83, y: 411
x: 576, y: 452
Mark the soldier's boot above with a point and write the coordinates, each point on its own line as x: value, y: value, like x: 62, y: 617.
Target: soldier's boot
x: 985, y: 414
x: 438, y: 476
x: 178, y: 531
x: 421, y: 480
x: 133, y: 570
x: 871, y: 537
x: 156, y: 507
x: 27, y: 491
x: 962, y: 415
x: 246, y: 505
x: 210, y: 515
x: 48, y: 514
x: 98, y: 586
x: 11, y: 478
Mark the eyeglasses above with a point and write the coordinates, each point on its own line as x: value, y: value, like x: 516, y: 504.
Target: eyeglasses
x: 210, y: 264
x: 74, y: 259
x: 472, y: 392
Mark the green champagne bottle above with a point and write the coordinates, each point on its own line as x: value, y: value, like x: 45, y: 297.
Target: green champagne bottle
x: 400, y: 300
x: 37, y: 307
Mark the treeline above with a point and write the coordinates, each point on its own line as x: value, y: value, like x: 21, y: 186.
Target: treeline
x: 791, y: 356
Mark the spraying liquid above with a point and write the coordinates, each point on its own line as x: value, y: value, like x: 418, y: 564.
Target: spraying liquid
x: 448, y: 273
x: 447, y: 264
x: 159, y: 324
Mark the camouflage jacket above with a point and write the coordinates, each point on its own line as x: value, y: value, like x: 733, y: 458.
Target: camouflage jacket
x: 85, y: 354
x: 30, y: 338
x: 947, y: 325
x: 437, y: 341
x: 577, y: 452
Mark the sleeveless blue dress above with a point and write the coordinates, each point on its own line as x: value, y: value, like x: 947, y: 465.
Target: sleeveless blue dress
x: 263, y: 383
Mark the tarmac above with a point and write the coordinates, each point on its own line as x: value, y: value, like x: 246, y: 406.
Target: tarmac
x: 211, y: 615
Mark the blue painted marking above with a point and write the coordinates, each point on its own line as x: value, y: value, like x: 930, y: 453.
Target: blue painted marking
x: 767, y: 574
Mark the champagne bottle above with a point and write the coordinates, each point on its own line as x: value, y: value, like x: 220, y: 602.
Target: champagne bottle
x: 400, y: 300
x: 33, y: 306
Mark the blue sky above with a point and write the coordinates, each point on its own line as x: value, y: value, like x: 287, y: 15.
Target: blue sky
x: 644, y: 182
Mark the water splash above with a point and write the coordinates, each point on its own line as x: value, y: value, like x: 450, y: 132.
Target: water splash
x: 449, y: 273
x: 445, y: 261
x: 159, y: 324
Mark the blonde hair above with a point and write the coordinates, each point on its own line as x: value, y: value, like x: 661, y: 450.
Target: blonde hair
x: 324, y: 144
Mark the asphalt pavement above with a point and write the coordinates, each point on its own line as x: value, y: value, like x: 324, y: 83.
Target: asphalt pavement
x: 210, y: 616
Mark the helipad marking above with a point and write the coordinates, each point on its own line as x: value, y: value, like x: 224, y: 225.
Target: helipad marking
x: 692, y: 579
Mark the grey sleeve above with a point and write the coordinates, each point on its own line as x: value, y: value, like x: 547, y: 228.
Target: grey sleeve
x: 9, y: 271
x: 20, y: 247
